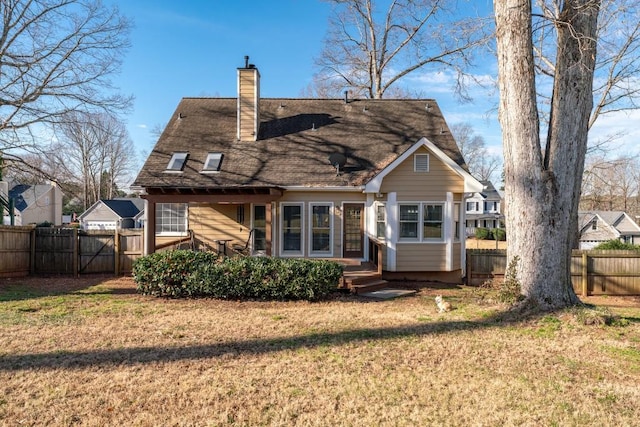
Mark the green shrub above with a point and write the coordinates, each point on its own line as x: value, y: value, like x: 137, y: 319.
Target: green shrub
x: 499, y: 234
x: 240, y: 278
x: 167, y: 273
x: 482, y: 233
x: 617, y: 245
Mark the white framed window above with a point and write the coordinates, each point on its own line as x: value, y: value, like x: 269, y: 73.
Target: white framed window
x: 321, y: 228
x: 291, y: 226
x: 177, y: 162
x: 421, y: 163
x: 432, y: 221
x: 259, y: 239
x: 381, y: 220
x: 171, y: 218
x: 409, y: 219
x: 212, y: 163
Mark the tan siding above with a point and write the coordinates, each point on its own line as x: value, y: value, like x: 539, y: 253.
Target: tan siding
x: 101, y: 212
x: 216, y: 222
x: 421, y: 257
x: 423, y: 186
x: 457, y: 257
x: 248, y: 108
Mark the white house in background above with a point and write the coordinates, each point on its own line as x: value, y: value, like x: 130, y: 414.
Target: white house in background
x: 484, y: 209
x: 600, y: 226
x: 35, y: 204
x: 113, y: 214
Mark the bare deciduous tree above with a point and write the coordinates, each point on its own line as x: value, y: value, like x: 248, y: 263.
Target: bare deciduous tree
x: 371, y: 45
x: 542, y: 180
x: 611, y: 184
x: 481, y: 163
x: 56, y: 56
x: 95, y: 147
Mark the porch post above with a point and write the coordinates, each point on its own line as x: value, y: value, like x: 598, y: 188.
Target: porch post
x: 268, y: 228
x: 150, y: 227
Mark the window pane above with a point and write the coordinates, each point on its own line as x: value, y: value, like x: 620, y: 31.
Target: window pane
x: 177, y: 161
x: 321, y: 241
x: 320, y: 216
x: 259, y: 228
x: 433, y: 213
x: 409, y: 229
x: 292, y: 228
x: 432, y: 231
x: 409, y: 212
x: 171, y: 217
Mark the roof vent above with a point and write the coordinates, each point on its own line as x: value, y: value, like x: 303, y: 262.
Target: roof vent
x: 338, y: 161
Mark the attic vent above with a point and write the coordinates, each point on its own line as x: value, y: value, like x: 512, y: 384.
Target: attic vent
x: 421, y: 163
x: 177, y: 162
x: 213, y: 162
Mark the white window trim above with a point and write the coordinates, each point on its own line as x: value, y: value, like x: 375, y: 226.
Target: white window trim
x: 457, y: 210
x: 284, y: 253
x: 421, y: 238
x: 175, y: 233
x: 313, y: 253
x: 252, y: 207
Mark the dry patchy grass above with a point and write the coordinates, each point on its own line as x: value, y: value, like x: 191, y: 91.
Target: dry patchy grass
x: 94, y: 353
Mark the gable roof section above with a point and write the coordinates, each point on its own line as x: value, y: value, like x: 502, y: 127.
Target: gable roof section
x: 26, y: 195
x: 121, y: 207
x: 618, y: 221
x: 470, y: 183
x: 296, y: 138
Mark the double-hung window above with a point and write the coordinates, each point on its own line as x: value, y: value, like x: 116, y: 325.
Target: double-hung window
x: 432, y: 221
x: 321, y: 222
x: 171, y: 218
x: 381, y: 220
x: 292, y: 228
x: 409, y: 220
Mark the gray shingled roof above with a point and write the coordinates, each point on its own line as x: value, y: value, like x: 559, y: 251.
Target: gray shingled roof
x: 296, y: 138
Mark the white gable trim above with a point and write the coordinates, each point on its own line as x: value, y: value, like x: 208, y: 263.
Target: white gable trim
x: 93, y: 207
x: 471, y: 185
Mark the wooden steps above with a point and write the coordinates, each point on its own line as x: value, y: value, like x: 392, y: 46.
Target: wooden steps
x: 362, y: 278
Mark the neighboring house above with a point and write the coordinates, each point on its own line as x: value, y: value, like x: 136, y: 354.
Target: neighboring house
x: 113, y: 214
x: 599, y: 226
x: 484, y: 209
x: 36, y: 204
x: 315, y: 178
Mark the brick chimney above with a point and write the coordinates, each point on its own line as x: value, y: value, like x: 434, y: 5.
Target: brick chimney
x: 248, y: 102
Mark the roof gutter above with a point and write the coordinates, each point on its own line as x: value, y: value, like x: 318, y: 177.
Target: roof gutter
x: 301, y: 188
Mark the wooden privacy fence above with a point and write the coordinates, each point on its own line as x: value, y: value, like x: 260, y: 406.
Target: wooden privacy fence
x: 15, y: 251
x: 593, y: 272
x: 42, y: 250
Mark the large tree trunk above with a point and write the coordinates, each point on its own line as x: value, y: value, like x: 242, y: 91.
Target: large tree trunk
x: 543, y: 186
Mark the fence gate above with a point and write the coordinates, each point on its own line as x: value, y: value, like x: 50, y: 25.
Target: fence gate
x: 54, y: 251
x: 96, y: 252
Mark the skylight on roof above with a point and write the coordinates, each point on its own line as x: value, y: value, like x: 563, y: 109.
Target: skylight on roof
x: 213, y: 162
x: 177, y: 162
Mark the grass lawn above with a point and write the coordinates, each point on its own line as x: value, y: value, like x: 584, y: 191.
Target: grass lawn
x: 94, y: 353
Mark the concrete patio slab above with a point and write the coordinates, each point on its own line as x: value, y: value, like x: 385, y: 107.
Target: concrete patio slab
x: 389, y: 293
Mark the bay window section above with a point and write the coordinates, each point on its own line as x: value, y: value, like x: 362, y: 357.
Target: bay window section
x: 171, y: 218
x: 292, y: 228
x: 320, y: 229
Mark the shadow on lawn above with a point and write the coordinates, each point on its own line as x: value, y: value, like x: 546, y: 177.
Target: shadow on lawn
x: 142, y: 355
x: 30, y: 287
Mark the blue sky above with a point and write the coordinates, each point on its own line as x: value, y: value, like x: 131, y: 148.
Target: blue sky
x: 192, y: 48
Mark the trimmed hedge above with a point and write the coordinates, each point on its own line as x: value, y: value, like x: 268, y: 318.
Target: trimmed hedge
x: 482, y: 233
x: 616, y: 244
x: 189, y: 274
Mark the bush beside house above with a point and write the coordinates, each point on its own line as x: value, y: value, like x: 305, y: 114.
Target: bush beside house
x: 184, y: 273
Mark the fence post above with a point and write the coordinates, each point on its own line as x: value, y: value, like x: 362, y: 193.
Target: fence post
x: 585, y: 275
x: 116, y: 251
x: 76, y: 252
x: 32, y: 267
